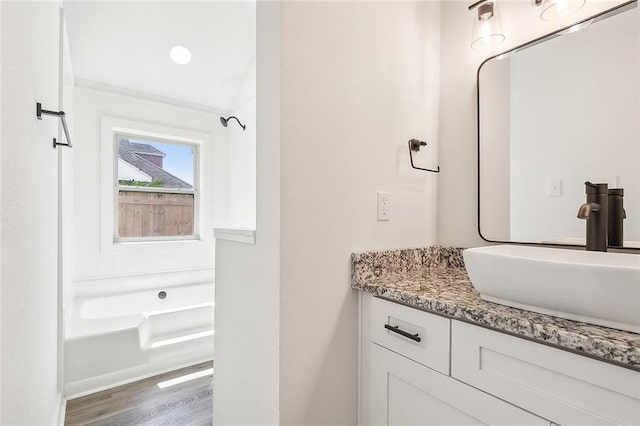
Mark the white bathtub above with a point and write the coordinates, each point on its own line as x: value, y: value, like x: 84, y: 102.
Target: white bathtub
x: 148, y: 302
x: 121, y: 337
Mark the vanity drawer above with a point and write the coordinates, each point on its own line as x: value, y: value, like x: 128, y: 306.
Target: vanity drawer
x: 566, y: 388
x: 415, y: 334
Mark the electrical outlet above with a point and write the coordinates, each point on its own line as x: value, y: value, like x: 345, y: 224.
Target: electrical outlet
x: 383, y: 205
x: 554, y: 188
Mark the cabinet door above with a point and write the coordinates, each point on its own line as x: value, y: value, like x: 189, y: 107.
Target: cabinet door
x: 566, y: 388
x: 404, y: 392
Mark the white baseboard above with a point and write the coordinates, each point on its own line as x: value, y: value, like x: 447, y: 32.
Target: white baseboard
x: 107, y: 381
x: 60, y: 411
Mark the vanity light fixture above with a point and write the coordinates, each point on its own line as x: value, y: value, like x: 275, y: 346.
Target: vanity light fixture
x: 487, y: 27
x: 557, y: 9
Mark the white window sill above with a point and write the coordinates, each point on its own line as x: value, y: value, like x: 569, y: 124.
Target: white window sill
x: 156, y: 240
x: 241, y: 235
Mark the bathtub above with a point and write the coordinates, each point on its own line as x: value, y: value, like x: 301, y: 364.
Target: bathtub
x: 117, y: 338
x: 148, y: 302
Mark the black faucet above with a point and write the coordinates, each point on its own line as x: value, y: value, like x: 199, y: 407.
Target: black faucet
x: 616, y: 215
x: 595, y: 212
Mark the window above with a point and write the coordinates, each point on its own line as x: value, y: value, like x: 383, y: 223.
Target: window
x: 156, y: 183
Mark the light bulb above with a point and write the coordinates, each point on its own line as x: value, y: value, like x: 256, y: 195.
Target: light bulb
x: 556, y: 9
x: 180, y: 54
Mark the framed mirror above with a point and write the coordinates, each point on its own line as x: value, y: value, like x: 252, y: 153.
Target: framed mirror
x: 552, y: 114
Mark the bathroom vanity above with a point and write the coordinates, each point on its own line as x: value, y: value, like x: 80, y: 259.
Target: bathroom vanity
x: 432, y: 352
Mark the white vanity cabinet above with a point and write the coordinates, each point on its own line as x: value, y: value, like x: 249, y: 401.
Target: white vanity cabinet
x: 419, y: 368
x: 407, y: 382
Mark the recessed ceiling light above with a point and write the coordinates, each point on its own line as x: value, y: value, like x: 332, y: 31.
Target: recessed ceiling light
x: 180, y: 54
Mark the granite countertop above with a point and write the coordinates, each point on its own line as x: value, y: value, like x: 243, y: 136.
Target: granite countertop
x: 434, y: 279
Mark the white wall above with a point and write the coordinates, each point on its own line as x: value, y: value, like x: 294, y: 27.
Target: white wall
x: 93, y: 261
x: 457, y: 196
x: 359, y: 80
x: 1, y: 215
x: 242, y: 168
x: 248, y: 276
x: 29, y: 165
x: 66, y: 200
x: 242, y: 157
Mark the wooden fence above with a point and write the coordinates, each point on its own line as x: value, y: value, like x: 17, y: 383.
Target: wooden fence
x: 154, y: 214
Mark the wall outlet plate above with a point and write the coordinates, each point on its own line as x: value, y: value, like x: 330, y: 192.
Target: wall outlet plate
x: 383, y: 205
x: 554, y: 188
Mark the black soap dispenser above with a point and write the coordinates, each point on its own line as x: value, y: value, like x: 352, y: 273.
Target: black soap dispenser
x: 616, y: 217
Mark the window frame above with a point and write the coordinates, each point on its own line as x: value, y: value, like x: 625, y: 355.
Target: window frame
x: 117, y: 187
x: 108, y: 238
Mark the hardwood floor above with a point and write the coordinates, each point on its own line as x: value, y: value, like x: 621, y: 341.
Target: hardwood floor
x: 144, y: 403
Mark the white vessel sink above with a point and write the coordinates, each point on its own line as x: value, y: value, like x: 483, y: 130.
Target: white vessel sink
x: 592, y: 287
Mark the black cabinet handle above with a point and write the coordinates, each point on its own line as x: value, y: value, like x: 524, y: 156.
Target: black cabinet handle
x: 396, y: 329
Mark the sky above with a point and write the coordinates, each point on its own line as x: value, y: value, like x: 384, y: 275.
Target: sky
x: 179, y: 159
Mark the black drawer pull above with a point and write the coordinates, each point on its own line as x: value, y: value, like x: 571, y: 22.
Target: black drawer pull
x: 396, y: 329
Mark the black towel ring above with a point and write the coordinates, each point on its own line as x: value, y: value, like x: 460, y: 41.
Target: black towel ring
x: 414, y: 146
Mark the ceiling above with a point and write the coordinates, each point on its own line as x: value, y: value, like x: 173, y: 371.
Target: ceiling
x: 126, y: 45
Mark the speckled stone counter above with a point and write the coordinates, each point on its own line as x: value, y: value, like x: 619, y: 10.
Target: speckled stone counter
x: 434, y: 279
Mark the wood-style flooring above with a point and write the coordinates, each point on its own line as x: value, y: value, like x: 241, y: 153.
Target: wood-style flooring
x: 144, y: 403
